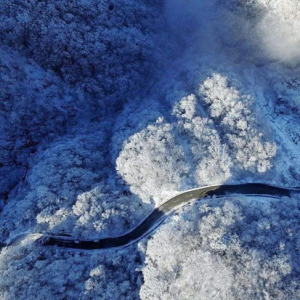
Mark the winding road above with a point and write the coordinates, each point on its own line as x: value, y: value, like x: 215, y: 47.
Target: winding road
x: 148, y: 225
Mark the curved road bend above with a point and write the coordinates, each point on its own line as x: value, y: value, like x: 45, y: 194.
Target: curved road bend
x: 159, y: 215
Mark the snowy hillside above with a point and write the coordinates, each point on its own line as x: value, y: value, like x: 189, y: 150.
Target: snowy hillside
x: 110, y: 108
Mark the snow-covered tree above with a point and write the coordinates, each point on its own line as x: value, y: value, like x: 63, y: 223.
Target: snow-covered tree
x: 233, y: 112
x: 152, y: 162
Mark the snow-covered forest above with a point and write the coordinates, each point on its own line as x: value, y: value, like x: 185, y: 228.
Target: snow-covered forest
x: 108, y: 108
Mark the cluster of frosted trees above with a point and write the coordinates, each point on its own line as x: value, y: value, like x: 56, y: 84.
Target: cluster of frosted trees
x: 69, y: 164
x: 35, y: 107
x: 153, y: 161
x: 162, y: 158
x: 233, y: 249
x: 57, y: 61
x: 230, y: 249
x: 47, y: 273
x: 208, y: 155
x: 194, y: 150
x: 104, y: 47
x: 233, y: 113
x: 70, y: 188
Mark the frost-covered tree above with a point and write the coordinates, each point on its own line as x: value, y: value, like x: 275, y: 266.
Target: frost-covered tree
x: 215, y: 167
x: 152, y: 162
x: 211, y: 157
x: 233, y: 112
x: 105, y: 211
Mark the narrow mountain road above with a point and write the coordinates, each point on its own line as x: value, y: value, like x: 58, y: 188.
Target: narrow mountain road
x: 158, y: 215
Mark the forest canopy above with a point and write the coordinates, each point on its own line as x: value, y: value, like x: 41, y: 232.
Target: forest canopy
x: 110, y: 108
